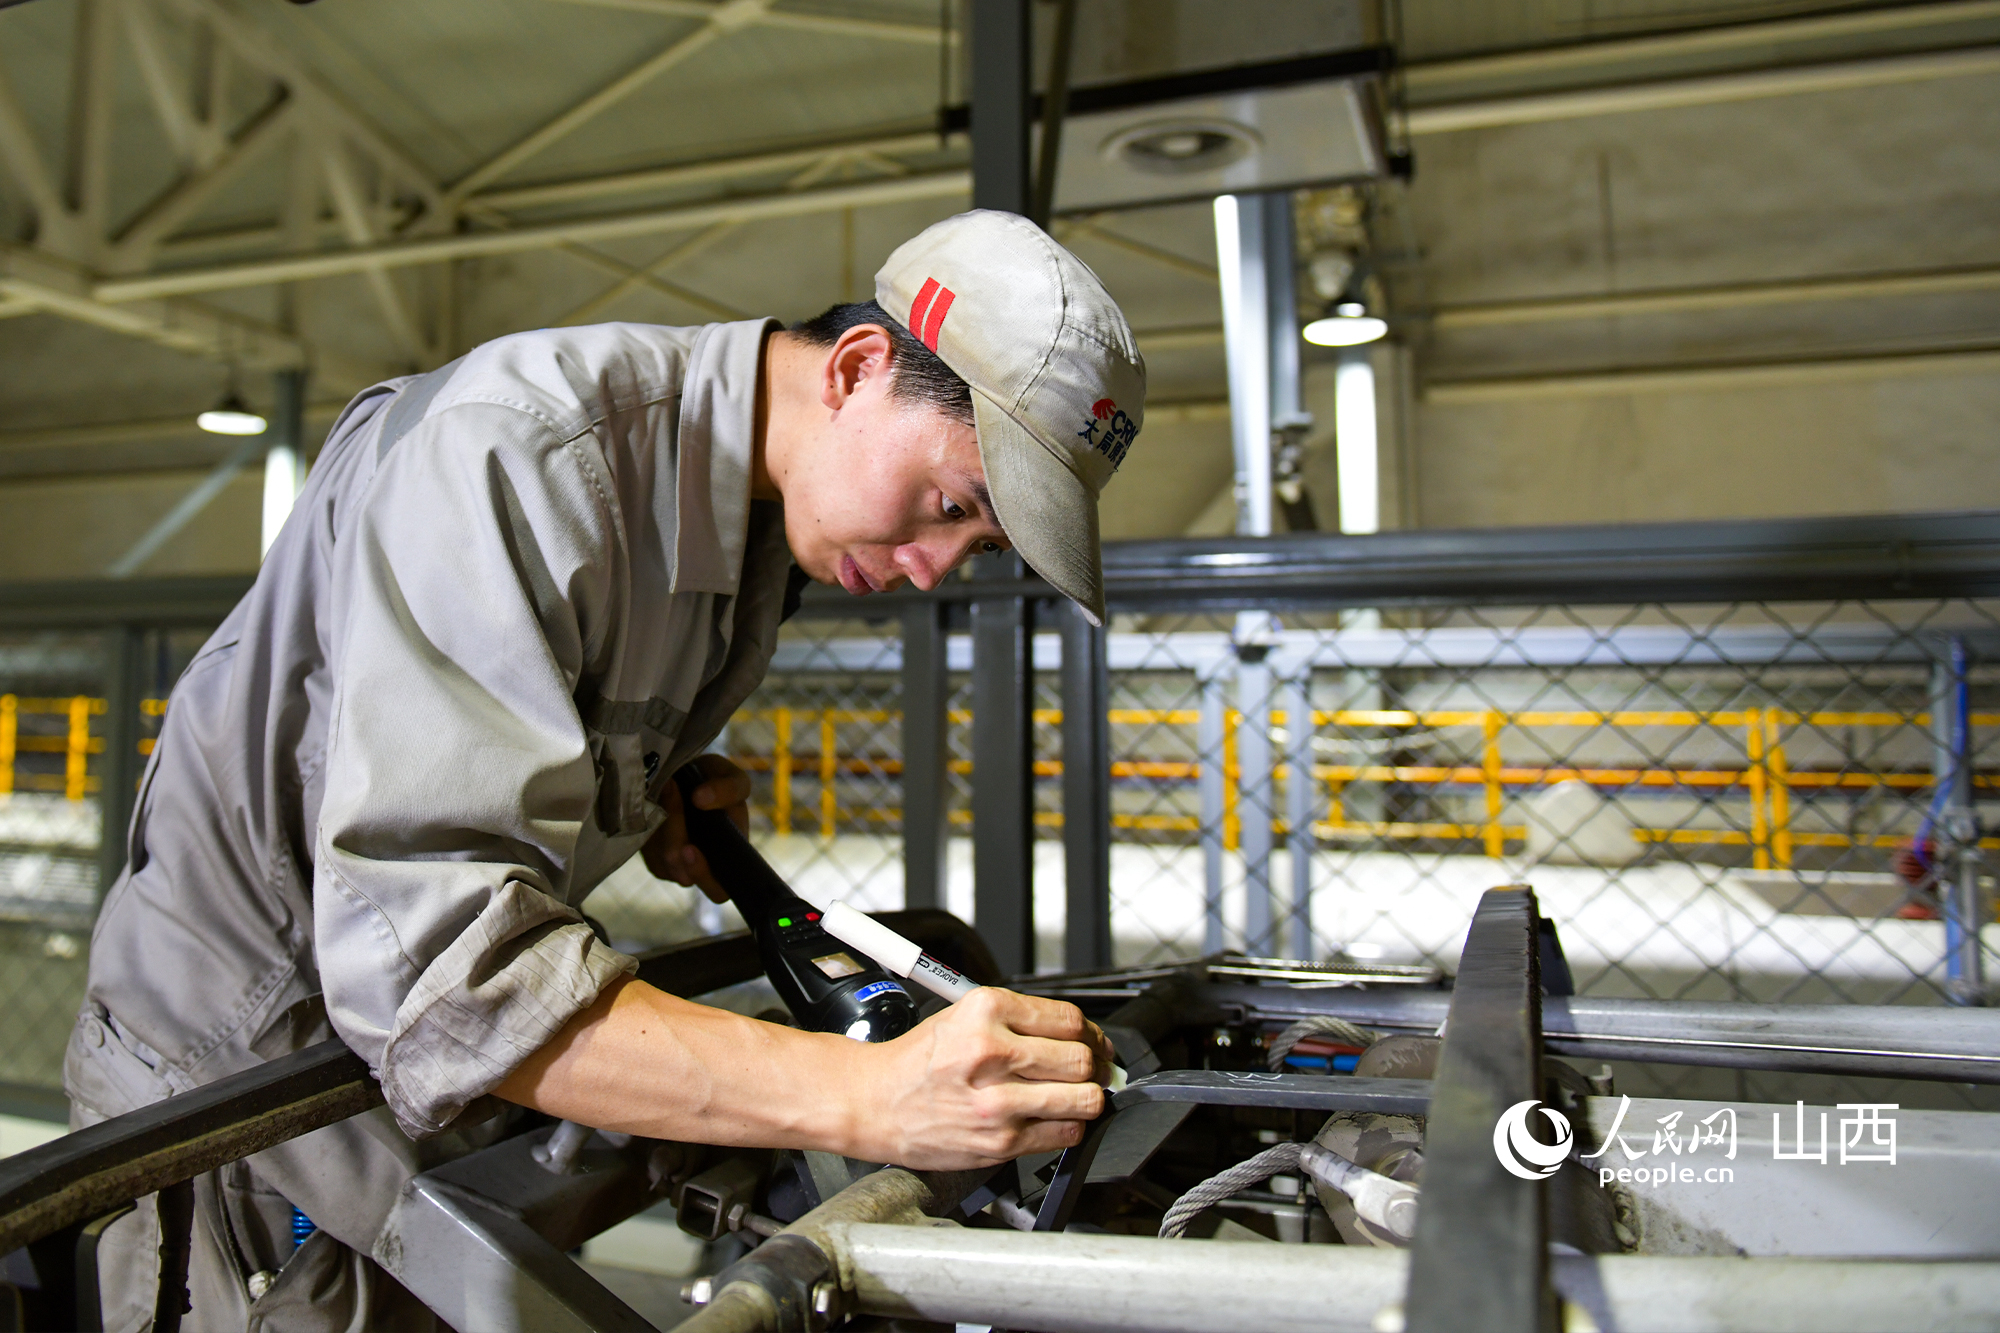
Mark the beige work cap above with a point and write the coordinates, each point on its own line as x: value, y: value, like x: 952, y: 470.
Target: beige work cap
x: 1058, y: 385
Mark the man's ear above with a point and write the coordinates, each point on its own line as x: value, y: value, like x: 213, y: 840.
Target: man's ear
x: 862, y: 353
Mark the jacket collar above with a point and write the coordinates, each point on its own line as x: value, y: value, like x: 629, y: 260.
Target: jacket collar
x: 717, y: 438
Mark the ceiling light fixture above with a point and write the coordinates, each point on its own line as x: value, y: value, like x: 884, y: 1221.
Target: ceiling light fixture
x: 231, y: 416
x: 1349, y: 325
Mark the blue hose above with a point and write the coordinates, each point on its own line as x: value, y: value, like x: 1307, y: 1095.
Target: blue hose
x: 1959, y: 749
x: 1340, y: 1064
x: 302, y: 1227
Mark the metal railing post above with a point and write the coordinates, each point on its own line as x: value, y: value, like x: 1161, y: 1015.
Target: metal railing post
x: 1209, y: 746
x: 1003, y: 829
x: 119, y: 789
x: 1496, y: 837
x: 1760, y: 825
x: 829, y: 768
x: 1299, y: 791
x: 1086, y: 779
x: 926, y: 789
x: 1778, y: 785
x: 1955, y: 856
x: 76, y: 753
x: 10, y: 722
x: 1256, y: 800
x: 781, y: 770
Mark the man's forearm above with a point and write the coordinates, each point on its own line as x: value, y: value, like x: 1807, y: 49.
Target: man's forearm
x: 644, y: 1062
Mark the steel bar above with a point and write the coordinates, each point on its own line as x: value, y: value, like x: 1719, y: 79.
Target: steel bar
x: 124, y: 651
x: 1301, y: 797
x: 1496, y: 648
x: 1955, y: 357
x: 542, y: 236
x: 889, y: 142
x: 1599, y: 60
x: 1055, y: 104
x: 1086, y: 747
x: 1882, y: 556
x: 191, y: 601
x: 1089, y: 1283
x: 481, y: 1240
x: 1732, y: 296
x: 1953, y: 825
x: 1480, y: 1258
x: 85, y: 1174
x: 1256, y: 804
x: 1003, y: 794
x: 1845, y: 558
x: 1002, y: 46
x: 926, y: 790
x: 1881, y: 1041
x: 1701, y: 90
x: 1879, y: 556
x: 1303, y: 1092
x: 1208, y: 749
x: 1082, y: 1283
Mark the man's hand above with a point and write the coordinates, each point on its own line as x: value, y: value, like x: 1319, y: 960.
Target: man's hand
x: 668, y: 853
x: 995, y: 1076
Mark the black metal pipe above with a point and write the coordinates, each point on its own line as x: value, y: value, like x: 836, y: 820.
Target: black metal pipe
x: 1878, y: 556
x: 85, y: 1174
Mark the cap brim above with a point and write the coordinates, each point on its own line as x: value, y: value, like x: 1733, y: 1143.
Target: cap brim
x: 1046, y: 510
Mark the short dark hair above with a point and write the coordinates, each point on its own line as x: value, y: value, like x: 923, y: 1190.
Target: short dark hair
x: 916, y: 375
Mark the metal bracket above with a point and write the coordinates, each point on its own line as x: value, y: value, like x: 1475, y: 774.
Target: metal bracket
x: 1481, y: 1256
x: 789, y: 1268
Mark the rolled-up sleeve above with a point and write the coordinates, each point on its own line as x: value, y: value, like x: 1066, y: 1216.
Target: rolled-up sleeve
x: 458, y: 772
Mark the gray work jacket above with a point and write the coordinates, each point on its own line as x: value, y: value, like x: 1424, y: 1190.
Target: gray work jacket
x: 514, y: 596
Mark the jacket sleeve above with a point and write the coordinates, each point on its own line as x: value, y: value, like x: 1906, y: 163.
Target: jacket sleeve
x: 458, y: 770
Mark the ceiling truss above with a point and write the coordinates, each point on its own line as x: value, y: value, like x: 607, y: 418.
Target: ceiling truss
x: 357, y: 205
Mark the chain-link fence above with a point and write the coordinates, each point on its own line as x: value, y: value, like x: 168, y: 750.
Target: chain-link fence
x: 1747, y: 801
x: 1735, y: 802
x: 54, y: 733
x: 1743, y: 801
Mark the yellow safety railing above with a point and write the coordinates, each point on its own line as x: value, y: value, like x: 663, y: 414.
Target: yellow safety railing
x: 76, y: 743
x: 1766, y: 777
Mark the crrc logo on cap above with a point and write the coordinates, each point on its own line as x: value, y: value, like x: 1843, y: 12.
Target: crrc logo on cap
x: 1109, y: 431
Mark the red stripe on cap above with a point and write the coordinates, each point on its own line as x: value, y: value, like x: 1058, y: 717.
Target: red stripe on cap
x: 940, y: 306
x: 921, y: 306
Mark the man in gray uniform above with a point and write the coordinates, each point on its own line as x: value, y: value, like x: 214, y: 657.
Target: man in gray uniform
x: 515, y: 596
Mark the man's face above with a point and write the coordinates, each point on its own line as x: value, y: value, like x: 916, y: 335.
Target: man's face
x: 885, y: 492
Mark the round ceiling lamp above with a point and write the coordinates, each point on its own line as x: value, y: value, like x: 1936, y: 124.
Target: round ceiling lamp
x: 1182, y: 147
x: 1349, y: 325
x: 231, y: 416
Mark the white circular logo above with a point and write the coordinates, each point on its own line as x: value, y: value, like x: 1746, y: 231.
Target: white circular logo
x: 1520, y: 1151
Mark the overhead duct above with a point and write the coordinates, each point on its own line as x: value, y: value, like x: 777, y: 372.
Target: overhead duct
x: 1240, y: 129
